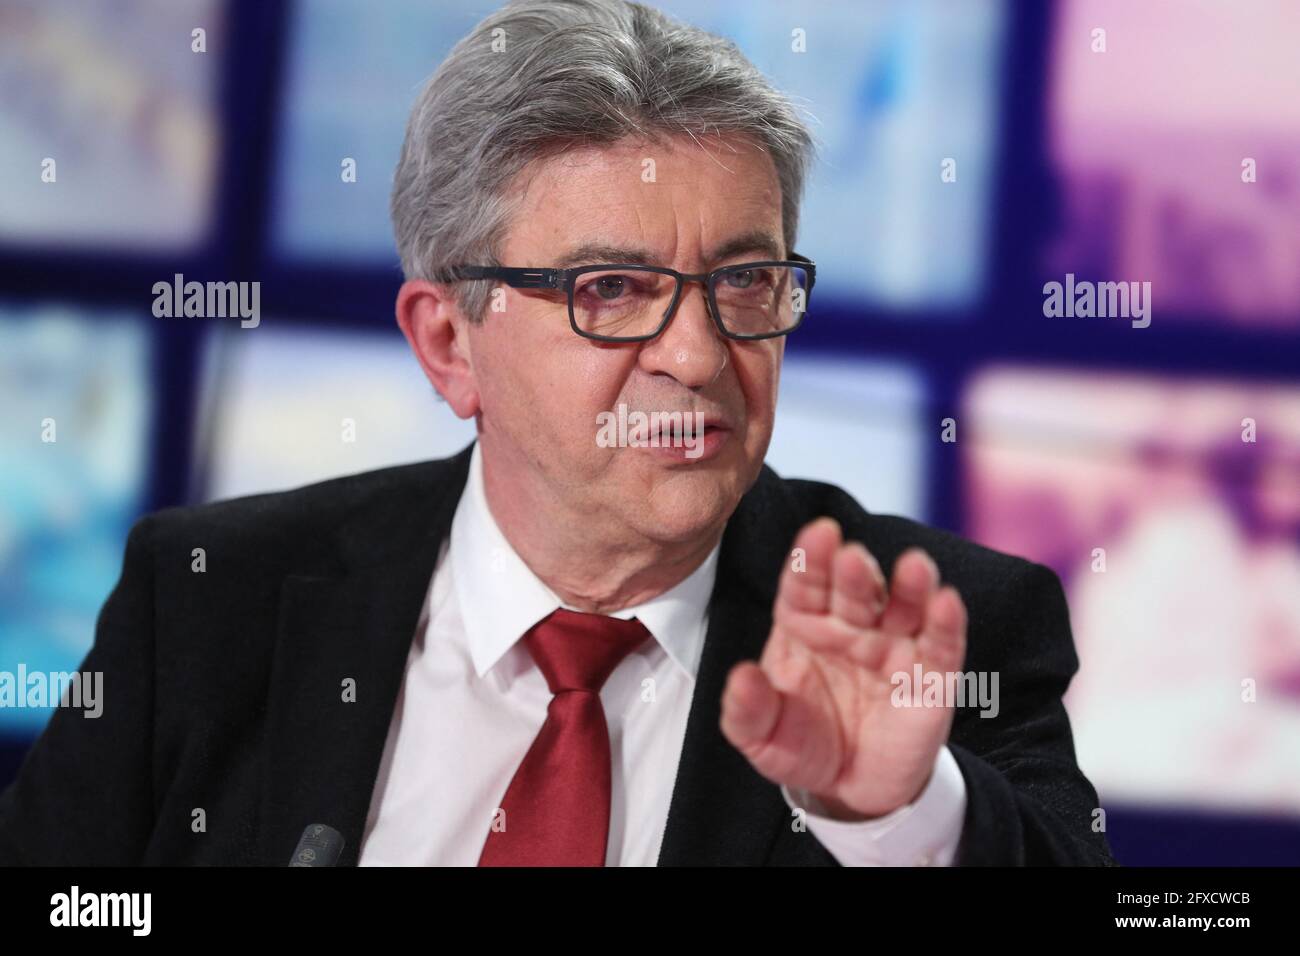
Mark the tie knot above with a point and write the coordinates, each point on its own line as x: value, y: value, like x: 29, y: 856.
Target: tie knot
x: 578, y: 651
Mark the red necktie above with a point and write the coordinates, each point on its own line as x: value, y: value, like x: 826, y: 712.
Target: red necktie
x: 557, y: 805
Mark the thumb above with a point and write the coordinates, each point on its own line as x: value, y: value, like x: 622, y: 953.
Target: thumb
x: 751, y: 708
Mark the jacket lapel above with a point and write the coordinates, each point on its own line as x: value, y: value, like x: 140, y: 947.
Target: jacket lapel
x: 354, y: 624
x: 723, y: 812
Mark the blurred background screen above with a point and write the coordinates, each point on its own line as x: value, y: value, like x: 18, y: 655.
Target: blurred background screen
x: 1176, y: 543
x: 972, y: 153
x: 1146, y: 139
x: 126, y: 114
x: 74, y: 386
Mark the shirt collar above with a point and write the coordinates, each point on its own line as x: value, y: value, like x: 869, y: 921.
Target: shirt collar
x: 501, y: 598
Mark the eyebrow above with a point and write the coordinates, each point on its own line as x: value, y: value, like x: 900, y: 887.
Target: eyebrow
x: 593, y: 253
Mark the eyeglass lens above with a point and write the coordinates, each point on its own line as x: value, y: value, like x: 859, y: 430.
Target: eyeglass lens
x: 621, y: 302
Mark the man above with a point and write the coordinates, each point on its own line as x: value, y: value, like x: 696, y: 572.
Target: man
x: 557, y: 648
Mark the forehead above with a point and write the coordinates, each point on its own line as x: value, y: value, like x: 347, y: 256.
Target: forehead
x: 668, y: 190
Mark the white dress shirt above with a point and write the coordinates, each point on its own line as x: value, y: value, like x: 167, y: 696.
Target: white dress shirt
x: 473, y: 700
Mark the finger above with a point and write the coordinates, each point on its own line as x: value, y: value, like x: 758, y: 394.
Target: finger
x: 775, y: 727
x: 915, y: 578
x: 806, y: 581
x: 751, y: 707
x: 942, y: 644
x: 858, y: 592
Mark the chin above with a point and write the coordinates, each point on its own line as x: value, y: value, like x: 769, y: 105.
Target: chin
x: 687, y: 505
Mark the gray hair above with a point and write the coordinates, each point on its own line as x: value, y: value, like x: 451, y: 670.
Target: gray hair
x: 573, y: 72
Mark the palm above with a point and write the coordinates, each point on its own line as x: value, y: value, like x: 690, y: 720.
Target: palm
x: 818, y: 712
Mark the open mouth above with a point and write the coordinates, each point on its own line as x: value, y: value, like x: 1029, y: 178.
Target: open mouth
x: 689, y: 444
x: 691, y: 435
x: 681, y: 434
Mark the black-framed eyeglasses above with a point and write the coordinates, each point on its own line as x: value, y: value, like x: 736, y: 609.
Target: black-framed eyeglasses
x: 634, y: 303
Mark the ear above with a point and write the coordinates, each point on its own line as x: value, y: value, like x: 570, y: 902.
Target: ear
x: 438, y: 333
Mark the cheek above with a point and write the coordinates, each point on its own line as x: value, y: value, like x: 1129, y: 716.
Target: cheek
x: 759, y: 370
x: 565, y: 387
x: 593, y: 377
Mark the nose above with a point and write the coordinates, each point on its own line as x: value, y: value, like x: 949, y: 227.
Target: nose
x: 690, y: 349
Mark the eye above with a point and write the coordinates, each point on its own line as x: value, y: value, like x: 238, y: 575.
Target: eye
x: 740, y: 280
x: 617, y: 288
x: 607, y: 287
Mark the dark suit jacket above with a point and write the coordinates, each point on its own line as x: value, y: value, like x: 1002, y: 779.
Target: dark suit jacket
x: 222, y: 689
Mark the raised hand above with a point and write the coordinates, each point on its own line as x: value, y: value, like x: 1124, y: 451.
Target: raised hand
x: 816, y: 711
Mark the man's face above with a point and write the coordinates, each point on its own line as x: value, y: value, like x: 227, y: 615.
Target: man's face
x: 542, y: 388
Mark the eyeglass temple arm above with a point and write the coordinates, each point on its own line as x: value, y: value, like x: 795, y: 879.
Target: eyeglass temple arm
x: 513, y: 277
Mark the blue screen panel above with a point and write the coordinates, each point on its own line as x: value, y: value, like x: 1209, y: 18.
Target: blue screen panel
x: 74, y: 428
